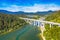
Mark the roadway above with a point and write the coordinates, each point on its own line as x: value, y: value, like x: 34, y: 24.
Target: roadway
x: 42, y: 21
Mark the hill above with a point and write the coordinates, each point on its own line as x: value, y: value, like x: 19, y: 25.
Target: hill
x: 52, y: 33
x: 55, y: 17
x: 9, y: 23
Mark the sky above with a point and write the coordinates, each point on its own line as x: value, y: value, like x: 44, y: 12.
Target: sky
x: 29, y: 5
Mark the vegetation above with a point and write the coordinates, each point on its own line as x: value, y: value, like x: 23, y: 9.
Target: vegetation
x: 30, y: 16
x: 9, y: 23
x: 52, y: 33
x: 55, y: 17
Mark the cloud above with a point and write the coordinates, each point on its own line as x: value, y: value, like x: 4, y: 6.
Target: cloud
x: 34, y: 8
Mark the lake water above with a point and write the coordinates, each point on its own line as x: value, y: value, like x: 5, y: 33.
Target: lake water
x: 29, y: 32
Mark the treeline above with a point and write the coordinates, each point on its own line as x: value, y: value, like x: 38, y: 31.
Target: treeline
x: 10, y: 22
x: 52, y: 33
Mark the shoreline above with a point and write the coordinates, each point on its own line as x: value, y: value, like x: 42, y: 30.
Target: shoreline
x: 10, y: 31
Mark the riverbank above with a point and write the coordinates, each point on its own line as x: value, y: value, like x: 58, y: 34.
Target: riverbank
x: 11, y: 30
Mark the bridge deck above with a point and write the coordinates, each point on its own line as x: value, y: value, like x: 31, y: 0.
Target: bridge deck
x: 41, y: 21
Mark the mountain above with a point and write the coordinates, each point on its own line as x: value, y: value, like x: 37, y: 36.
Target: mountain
x: 26, y: 13
x: 45, y: 12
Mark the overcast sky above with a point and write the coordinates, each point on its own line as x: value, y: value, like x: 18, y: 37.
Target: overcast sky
x: 29, y: 5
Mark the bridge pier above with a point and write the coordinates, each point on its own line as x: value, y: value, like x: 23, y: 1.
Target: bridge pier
x: 38, y: 24
x: 50, y: 25
x: 34, y: 23
x: 42, y: 28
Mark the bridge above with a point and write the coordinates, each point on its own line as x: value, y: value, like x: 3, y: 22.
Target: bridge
x: 40, y: 23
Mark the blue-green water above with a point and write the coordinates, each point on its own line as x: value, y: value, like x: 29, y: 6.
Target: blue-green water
x: 29, y: 32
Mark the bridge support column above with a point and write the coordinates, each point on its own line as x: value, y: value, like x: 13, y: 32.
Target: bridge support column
x: 42, y: 27
x: 34, y: 23
x: 50, y: 25
x: 38, y: 24
x: 42, y: 30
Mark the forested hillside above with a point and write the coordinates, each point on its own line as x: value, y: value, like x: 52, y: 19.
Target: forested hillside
x: 53, y: 33
x: 54, y: 17
x: 9, y: 23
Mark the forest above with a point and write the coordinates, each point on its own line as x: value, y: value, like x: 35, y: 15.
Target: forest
x: 9, y: 22
x: 52, y: 33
